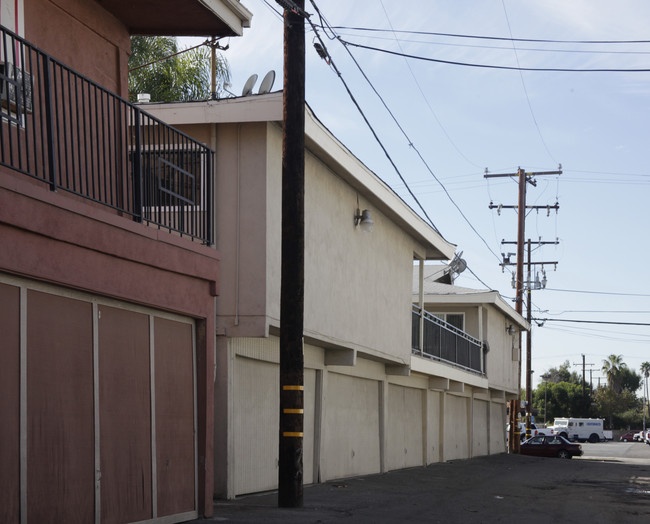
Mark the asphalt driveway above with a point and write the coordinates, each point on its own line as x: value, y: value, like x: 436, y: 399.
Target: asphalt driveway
x: 610, y: 484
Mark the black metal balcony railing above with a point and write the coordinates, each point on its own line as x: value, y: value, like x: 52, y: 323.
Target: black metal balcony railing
x: 444, y: 342
x: 67, y: 131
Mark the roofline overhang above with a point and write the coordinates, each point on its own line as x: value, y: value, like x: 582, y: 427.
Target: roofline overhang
x: 209, y: 18
x: 232, y: 12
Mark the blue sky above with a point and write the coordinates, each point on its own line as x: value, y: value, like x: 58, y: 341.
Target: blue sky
x: 464, y: 119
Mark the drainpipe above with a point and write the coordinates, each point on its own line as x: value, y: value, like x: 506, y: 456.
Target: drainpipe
x: 238, y: 226
x: 421, y: 296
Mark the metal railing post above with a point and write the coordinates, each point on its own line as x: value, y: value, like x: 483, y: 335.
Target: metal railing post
x: 49, y: 123
x: 209, y: 236
x: 137, y: 167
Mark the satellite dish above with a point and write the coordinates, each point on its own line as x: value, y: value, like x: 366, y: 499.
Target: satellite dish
x: 248, y: 86
x: 267, y: 83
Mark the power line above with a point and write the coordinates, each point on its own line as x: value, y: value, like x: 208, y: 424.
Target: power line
x: 523, y: 84
x: 580, y: 333
x: 592, y: 321
x: 410, y: 142
x: 598, y: 292
x: 426, y: 100
x: 510, y: 39
x: 639, y: 312
x: 363, y: 115
x: 496, y: 48
x: 207, y: 42
x: 492, y: 66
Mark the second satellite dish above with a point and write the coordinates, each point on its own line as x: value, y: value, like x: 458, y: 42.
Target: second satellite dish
x: 248, y: 86
x: 267, y: 83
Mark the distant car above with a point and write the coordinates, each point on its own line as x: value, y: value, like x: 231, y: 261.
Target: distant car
x: 638, y: 436
x: 553, y: 446
x: 629, y: 436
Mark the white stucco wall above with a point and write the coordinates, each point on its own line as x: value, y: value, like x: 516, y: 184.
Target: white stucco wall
x: 502, y: 359
x: 357, y: 285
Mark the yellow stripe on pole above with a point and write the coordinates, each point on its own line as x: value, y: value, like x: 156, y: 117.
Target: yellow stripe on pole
x: 293, y: 388
x: 292, y: 434
x: 294, y: 411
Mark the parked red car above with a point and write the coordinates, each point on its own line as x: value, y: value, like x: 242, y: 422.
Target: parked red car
x: 553, y: 446
x: 629, y: 436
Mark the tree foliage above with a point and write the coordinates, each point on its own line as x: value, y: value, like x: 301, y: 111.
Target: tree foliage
x: 562, y: 399
x: 618, y: 408
x: 612, y: 368
x: 170, y: 77
x: 562, y: 374
x: 561, y: 395
x: 629, y: 379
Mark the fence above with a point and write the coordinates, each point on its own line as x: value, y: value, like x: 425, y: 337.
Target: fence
x: 443, y: 342
x: 69, y: 132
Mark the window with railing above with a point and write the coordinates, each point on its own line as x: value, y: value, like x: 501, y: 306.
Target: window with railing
x: 436, y: 339
x: 65, y: 130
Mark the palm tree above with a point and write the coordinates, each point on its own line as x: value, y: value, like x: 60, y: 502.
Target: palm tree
x: 158, y: 67
x: 612, y: 366
x: 645, y: 371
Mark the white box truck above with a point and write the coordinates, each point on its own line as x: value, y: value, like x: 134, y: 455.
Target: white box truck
x: 581, y: 429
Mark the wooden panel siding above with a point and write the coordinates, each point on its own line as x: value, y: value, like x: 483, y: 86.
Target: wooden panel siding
x: 60, y: 430
x: 10, y: 403
x: 174, y: 387
x: 125, y: 415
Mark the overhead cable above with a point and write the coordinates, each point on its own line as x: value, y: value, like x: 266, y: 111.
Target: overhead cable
x: 363, y: 115
x: 410, y: 143
x: 492, y: 66
x: 453, y: 35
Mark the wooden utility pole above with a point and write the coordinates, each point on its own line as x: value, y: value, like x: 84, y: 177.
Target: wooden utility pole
x: 290, y: 467
x: 523, y: 179
x: 529, y: 350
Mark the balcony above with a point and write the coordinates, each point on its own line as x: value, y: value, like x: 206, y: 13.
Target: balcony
x: 64, y: 130
x: 435, y: 339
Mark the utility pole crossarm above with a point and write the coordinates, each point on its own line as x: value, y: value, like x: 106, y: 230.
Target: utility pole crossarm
x: 528, y: 175
x: 501, y: 206
x: 524, y: 179
x: 555, y: 263
x: 538, y: 242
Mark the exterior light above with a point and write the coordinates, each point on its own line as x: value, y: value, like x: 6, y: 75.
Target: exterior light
x: 510, y: 329
x: 364, y: 220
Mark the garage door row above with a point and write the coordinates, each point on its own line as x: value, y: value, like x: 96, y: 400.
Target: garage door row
x: 98, y: 409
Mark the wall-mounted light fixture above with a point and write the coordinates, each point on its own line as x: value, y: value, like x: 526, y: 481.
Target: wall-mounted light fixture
x: 363, y: 220
x: 510, y: 329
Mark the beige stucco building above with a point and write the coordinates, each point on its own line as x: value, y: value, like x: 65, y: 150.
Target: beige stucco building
x: 373, y: 403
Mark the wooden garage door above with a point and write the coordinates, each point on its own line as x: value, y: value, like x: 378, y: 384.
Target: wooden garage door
x: 10, y: 403
x: 98, y: 406
x: 60, y: 427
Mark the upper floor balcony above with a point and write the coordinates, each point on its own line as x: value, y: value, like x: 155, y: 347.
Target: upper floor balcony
x: 64, y: 130
x: 435, y: 339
